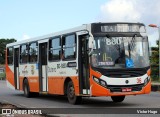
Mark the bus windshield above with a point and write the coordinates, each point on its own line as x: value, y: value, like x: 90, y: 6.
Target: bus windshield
x: 120, y: 52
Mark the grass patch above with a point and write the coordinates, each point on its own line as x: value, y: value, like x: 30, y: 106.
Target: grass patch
x: 2, y: 76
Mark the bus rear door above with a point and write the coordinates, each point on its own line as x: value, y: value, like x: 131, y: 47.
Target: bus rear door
x: 16, y: 67
x: 43, y: 78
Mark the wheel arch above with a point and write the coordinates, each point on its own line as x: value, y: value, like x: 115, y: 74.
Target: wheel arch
x: 67, y: 80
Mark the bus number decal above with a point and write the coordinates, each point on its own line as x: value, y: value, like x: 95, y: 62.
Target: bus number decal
x: 32, y: 69
x: 113, y: 41
x: 25, y: 71
x: 62, y: 65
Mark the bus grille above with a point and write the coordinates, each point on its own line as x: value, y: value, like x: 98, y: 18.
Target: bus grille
x: 117, y: 88
x: 123, y: 73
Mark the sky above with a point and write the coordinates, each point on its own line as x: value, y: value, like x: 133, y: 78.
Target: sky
x: 23, y: 19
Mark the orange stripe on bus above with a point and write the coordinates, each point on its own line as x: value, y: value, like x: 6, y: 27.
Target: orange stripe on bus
x: 33, y: 83
x: 10, y: 76
x: 56, y: 84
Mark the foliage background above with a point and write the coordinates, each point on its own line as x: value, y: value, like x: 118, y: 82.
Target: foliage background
x: 3, y: 43
x: 155, y: 63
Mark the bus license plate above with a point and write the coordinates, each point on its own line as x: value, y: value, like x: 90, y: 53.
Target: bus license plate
x: 126, y: 89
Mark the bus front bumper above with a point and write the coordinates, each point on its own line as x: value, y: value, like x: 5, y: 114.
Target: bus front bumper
x: 98, y: 90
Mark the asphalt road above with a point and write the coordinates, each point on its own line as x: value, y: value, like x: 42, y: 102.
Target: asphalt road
x: 14, y: 97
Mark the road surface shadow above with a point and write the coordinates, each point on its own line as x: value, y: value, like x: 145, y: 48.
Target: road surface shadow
x: 105, y: 102
x: 87, y: 102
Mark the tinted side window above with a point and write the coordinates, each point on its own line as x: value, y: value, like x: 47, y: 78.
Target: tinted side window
x: 69, y: 47
x: 23, y: 54
x: 10, y: 55
x: 54, y: 49
x: 33, y: 52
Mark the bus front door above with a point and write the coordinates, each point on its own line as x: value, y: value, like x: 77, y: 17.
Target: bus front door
x: 43, y: 66
x: 16, y: 68
x: 83, y: 65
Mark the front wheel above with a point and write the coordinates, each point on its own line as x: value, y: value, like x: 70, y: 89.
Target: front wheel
x: 117, y: 98
x: 72, y: 98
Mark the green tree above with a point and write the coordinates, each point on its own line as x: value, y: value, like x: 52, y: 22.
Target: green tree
x: 155, y: 63
x: 3, y: 43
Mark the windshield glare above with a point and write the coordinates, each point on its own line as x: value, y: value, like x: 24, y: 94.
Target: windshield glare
x: 120, y: 52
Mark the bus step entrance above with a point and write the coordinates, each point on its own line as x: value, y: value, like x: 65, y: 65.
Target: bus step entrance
x: 43, y: 92
x: 86, y: 92
x: 85, y: 95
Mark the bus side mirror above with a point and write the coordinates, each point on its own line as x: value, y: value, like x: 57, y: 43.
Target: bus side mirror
x: 91, y: 44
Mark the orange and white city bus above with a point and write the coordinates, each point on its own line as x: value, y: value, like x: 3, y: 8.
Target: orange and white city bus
x: 97, y: 59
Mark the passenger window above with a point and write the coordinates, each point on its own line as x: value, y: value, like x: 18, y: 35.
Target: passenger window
x: 10, y: 55
x: 54, y: 49
x: 33, y: 52
x: 23, y: 54
x: 69, y: 47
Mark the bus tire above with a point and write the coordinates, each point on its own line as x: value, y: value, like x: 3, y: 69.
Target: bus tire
x: 34, y: 94
x: 72, y: 98
x: 117, y: 98
x: 26, y: 89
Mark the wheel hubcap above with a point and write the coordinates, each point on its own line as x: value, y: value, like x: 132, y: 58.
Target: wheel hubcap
x: 25, y: 90
x: 71, y: 92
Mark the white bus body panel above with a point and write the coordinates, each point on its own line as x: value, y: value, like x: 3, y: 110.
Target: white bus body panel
x: 121, y: 81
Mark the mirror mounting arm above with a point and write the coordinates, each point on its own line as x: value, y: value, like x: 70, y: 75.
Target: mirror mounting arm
x: 91, y: 44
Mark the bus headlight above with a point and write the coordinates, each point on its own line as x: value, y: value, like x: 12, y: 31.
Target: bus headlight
x: 146, y: 80
x: 100, y: 81
x: 96, y: 79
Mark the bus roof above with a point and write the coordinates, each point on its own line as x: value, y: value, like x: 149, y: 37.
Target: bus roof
x: 65, y: 32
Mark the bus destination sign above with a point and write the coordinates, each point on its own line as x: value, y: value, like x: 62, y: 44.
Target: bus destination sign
x: 122, y: 28
x: 102, y: 28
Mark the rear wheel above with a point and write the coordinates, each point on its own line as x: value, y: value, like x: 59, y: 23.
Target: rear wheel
x: 72, y: 98
x: 26, y: 89
x: 34, y: 94
x: 117, y: 98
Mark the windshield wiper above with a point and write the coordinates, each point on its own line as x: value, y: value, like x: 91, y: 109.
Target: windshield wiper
x: 131, y: 45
